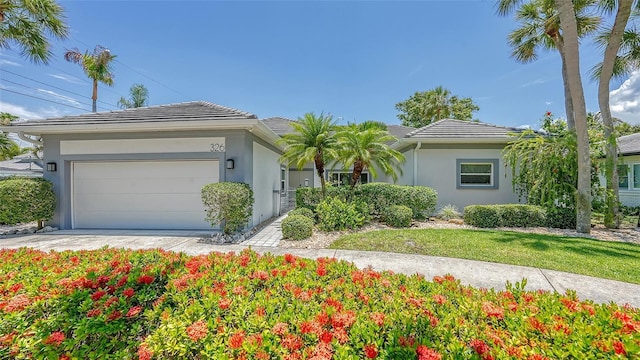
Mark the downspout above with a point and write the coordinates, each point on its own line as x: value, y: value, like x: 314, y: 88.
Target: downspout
x: 415, y: 163
x: 30, y: 140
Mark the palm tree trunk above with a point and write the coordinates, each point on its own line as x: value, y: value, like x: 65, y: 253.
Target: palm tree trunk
x: 94, y: 97
x: 572, y: 56
x: 612, y: 216
x: 358, y: 167
x: 320, y: 170
x: 568, y: 103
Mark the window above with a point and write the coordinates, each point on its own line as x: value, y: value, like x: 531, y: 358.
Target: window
x: 477, y: 173
x: 636, y: 176
x: 623, y: 177
x: 283, y: 180
x: 344, y: 178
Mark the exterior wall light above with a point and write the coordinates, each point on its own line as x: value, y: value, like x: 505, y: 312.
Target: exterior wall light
x: 52, y: 167
x: 231, y: 164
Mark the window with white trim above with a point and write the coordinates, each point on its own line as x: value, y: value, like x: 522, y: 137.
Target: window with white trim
x: 283, y: 179
x: 477, y: 173
x: 636, y: 176
x: 623, y: 177
x: 344, y: 178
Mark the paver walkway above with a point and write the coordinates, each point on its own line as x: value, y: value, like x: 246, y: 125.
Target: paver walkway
x: 269, y: 236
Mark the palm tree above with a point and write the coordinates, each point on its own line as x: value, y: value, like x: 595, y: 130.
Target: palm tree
x: 96, y: 65
x: 540, y: 29
x: 613, y: 41
x: 139, y: 97
x: 365, y: 147
x: 570, y: 34
x: 312, y: 140
x: 438, y: 105
x: 27, y: 24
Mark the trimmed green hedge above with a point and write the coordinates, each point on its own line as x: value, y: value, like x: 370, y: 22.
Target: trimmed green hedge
x: 398, y: 216
x: 297, y: 227
x: 229, y: 204
x: 335, y: 214
x: 25, y: 200
x: 304, y: 212
x: 507, y: 215
x: 421, y: 200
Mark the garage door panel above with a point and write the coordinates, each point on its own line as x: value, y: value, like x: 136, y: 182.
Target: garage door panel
x: 141, y: 194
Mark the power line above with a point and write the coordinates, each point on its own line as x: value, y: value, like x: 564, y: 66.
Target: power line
x: 31, y: 88
x: 55, y: 87
x: 43, y: 99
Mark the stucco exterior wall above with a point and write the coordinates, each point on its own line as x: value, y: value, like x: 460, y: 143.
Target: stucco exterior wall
x: 631, y: 195
x: 437, y: 169
x: 266, y: 183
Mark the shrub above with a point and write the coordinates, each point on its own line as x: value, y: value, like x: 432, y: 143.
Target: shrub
x: 25, y: 200
x: 561, y: 218
x: 420, y: 199
x: 335, y: 214
x: 228, y: 204
x: 308, y: 197
x: 449, y: 212
x: 304, y: 212
x: 398, y: 216
x: 507, y: 215
x: 297, y: 227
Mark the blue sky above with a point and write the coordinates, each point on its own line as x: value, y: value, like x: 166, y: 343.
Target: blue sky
x: 355, y: 60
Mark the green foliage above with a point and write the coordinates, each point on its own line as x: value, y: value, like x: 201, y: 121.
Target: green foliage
x: 449, y: 212
x: 398, y: 216
x: 561, y: 218
x: 25, y: 200
x: 308, y: 197
x: 505, y: 215
x: 138, y: 97
x: 297, y: 227
x: 151, y: 304
x: 424, y: 108
x: 228, y: 204
x: 335, y: 214
x: 304, y: 212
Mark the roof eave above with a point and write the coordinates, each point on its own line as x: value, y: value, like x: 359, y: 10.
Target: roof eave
x: 458, y: 140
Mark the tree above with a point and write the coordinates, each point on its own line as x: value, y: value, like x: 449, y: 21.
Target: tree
x: 540, y: 29
x: 423, y: 108
x: 8, y: 148
x: 27, y: 24
x: 605, y: 72
x: 364, y: 146
x: 569, y: 27
x: 96, y: 65
x: 138, y: 97
x: 312, y: 140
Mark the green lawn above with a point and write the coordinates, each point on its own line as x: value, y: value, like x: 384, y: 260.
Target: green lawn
x: 610, y: 260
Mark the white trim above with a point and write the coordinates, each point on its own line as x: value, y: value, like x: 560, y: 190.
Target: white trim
x: 490, y: 173
x: 73, y: 191
x: 141, y: 146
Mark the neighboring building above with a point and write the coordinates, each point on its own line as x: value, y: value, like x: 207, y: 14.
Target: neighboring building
x: 143, y: 168
x: 21, y: 165
x: 629, y: 169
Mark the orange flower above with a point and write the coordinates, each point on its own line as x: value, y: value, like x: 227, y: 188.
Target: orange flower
x: 370, y: 351
x: 378, y: 318
x: 492, y: 310
x: 56, y: 338
x: 280, y: 328
x: 197, y: 330
x: 424, y: 353
x: 144, y: 353
x: 134, y: 311
x: 236, y: 340
x: 224, y: 303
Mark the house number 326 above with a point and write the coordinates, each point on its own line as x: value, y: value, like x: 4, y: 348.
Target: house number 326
x: 217, y: 147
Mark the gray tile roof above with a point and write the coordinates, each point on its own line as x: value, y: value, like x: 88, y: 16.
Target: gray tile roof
x: 194, y: 110
x: 21, y: 165
x: 399, y: 131
x: 629, y: 144
x: 279, y: 125
x: 449, y: 128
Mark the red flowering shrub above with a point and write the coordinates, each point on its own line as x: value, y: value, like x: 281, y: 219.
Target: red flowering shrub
x: 155, y: 305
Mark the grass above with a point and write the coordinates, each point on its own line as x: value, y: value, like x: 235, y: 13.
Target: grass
x: 609, y: 260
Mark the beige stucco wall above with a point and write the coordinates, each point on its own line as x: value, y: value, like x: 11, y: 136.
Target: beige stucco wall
x: 437, y: 169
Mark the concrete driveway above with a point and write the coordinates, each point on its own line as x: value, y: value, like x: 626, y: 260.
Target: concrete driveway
x: 475, y: 273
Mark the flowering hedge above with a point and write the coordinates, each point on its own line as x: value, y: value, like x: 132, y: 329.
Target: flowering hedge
x: 124, y: 304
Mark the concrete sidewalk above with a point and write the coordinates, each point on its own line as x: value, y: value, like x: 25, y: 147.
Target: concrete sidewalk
x: 475, y: 273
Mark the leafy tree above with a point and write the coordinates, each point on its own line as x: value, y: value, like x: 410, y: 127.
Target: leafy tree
x: 364, y: 146
x: 424, y: 108
x: 138, y: 97
x: 9, y: 148
x: 27, y: 24
x: 96, y: 65
x: 539, y: 29
x: 570, y: 34
x: 311, y: 141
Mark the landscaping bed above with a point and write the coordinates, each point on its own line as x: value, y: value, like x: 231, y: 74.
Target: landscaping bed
x: 114, y: 303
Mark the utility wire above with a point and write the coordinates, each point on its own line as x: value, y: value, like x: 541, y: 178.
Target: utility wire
x: 31, y: 88
x: 53, y: 86
x: 43, y: 99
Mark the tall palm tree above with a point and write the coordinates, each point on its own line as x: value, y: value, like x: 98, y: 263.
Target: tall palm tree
x: 365, y: 147
x: 138, y: 97
x: 540, y: 30
x: 570, y: 34
x: 438, y: 105
x: 27, y: 24
x: 96, y: 65
x: 311, y: 141
x: 610, y: 66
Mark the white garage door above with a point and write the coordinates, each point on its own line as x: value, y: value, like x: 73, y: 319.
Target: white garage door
x: 141, y: 194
